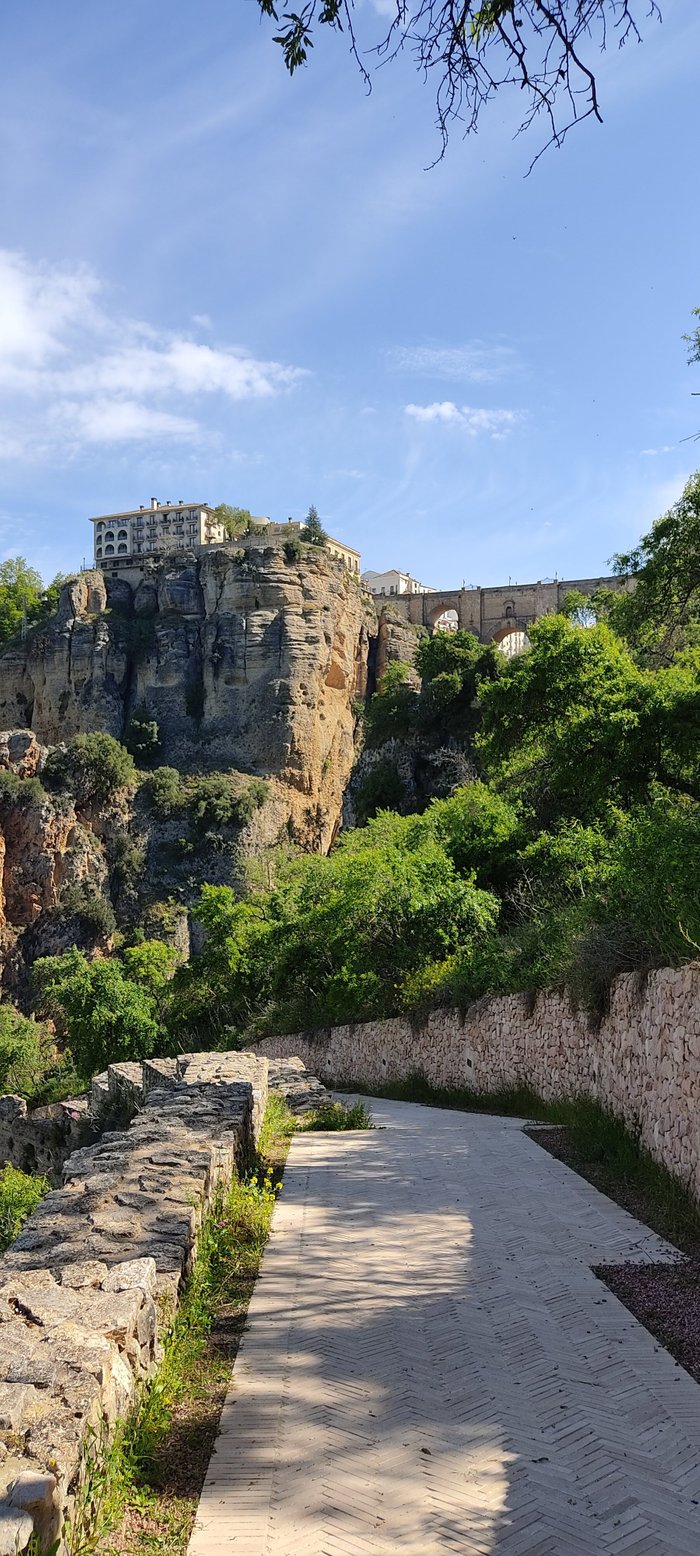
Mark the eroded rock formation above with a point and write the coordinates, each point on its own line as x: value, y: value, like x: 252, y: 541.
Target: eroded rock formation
x: 246, y: 661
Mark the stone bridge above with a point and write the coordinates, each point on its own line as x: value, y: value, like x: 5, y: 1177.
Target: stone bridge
x: 494, y: 614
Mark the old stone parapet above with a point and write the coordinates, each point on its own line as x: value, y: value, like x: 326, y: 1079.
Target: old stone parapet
x: 97, y: 1269
x: 642, y: 1062
x: 39, y: 1141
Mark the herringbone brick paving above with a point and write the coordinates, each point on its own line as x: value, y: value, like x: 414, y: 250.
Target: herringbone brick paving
x: 431, y: 1366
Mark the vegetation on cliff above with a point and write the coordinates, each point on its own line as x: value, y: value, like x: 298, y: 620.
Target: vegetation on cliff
x: 570, y: 854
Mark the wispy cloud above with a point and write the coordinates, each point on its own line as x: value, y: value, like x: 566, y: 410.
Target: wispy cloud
x: 72, y: 371
x: 652, y: 453
x: 476, y: 362
x: 474, y: 420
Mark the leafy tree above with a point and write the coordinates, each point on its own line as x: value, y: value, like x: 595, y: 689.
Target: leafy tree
x: 475, y: 47
x: 91, y: 768
x: 574, y: 725
x: 26, y: 1051
x: 479, y: 830
x: 662, y: 613
x: 142, y: 736
x: 23, y: 599
x: 393, y: 710
x: 109, y: 1009
x: 163, y: 790
x: 236, y: 521
x: 313, y: 531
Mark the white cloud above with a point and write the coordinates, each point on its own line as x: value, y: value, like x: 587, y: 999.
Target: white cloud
x: 668, y: 448
x: 70, y: 369
x: 123, y: 421
x: 477, y: 362
x: 474, y: 420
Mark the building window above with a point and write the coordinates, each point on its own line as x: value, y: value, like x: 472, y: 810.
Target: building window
x: 109, y: 550
x: 98, y: 552
x: 510, y: 609
x: 109, y: 535
x: 122, y: 550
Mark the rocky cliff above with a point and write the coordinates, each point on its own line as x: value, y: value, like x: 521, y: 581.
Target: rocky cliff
x: 251, y: 665
x: 246, y: 661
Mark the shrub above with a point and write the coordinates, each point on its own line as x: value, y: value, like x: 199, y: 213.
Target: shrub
x: 293, y: 550
x: 20, y: 1194
x: 129, y: 859
x: 93, y: 912
x: 20, y: 792
x: 142, y: 736
x: 217, y: 801
x: 91, y: 768
x: 163, y: 791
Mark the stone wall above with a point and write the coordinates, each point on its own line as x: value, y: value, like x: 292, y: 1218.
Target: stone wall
x: 643, y: 1062
x: 97, y: 1268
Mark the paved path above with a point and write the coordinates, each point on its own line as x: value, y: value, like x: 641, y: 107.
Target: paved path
x: 431, y: 1366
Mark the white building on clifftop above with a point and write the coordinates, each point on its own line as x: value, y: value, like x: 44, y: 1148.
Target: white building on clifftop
x: 123, y: 539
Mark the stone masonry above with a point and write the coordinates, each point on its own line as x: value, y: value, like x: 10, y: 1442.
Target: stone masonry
x: 96, y: 1271
x: 643, y: 1062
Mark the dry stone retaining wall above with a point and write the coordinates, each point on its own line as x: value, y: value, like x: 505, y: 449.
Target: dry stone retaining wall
x: 98, y: 1266
x: 643, y: 1062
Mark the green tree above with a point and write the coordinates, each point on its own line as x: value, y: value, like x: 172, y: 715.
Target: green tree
x: 23, y: 599
x: 109, y: 1009
x: 142, y: 737
x: 392, y: 712
x: 313, y: 531
x: 662, y: 613
x: 91, y: 768
x: 26, y: 1051
x: 236, y: 521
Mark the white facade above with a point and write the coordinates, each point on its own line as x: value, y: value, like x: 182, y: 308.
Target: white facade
x: 394, y: 582
x: 143, y: 532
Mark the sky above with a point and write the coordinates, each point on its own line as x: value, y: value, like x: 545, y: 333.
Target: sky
x: 218, y: 283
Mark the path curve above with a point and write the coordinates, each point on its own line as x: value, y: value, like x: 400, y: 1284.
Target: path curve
x: 430, y: 1365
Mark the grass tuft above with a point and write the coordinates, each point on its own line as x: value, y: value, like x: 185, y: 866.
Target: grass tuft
x: 330, y: 1116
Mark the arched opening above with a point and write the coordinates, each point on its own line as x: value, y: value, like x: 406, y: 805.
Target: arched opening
x: 122, y: 535
x: 511, y: 640
x: 98, y: 552
x: 447, y: 621
x: 109, y: 550
x: 122, y: 550
x: 109, y: 535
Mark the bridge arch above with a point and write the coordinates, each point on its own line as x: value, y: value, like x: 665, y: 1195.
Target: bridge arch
x: 511, y: 638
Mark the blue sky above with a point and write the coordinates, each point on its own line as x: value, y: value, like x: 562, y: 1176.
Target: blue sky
x: 218, y: 283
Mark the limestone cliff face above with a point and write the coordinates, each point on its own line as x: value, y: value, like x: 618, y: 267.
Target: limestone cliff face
x: 246, y: 661
x: 46, y: 848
